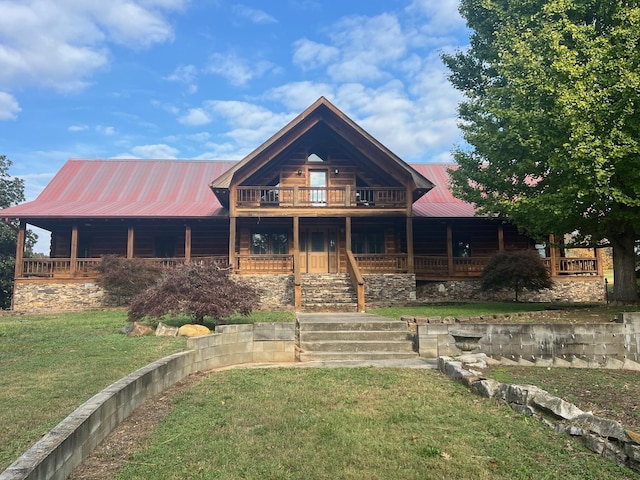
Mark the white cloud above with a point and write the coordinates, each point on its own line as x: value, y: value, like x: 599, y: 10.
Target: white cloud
x: 309, y: 55
x: 237, y: 71
x: 253, y: 14
x: 60, y: 44
x: 108, y: 131
x: 157, y: 151
x: 296, y: 96
x: 187, y: 75
x: 77, y: 128
x: 195, y: 116
x: 9, y: 107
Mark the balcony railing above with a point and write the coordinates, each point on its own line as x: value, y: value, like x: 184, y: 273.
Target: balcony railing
x: 334, y: 197
x: 264, y: 263
x: 381, y: 263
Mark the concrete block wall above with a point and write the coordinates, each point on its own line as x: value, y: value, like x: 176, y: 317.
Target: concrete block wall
x: 56, y: 454
x: 591, y: 343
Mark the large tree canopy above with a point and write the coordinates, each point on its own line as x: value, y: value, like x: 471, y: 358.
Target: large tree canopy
x: 551, y: 120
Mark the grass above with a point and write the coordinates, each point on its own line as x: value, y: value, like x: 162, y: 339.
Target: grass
x: 358, y: 423
x: 52, y: 363
x: 457, y: 309
x: 611, y: 394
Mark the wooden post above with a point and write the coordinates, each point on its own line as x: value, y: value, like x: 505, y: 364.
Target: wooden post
x: 450, y: 249
x: 501, y: 238
x: 347, y: 232
x: 232, y: 242
x: 297, y: 281
x: 410, y: 267
x: 599, y: 262
x: 553, y: 254
x: 130, y: 240
x: 20, y: 249
x: 187, y: 244
x: 74, y: 248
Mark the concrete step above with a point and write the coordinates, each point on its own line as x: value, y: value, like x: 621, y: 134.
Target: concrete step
x: 362, y: 335
x: 361, y: 356
x: 349, y: 326
x: 330, y: 307
x: 357, y: 346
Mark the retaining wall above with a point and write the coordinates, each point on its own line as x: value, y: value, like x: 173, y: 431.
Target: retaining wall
x: 581, y: 345
x: 56, y: 454
x: 565, y: 289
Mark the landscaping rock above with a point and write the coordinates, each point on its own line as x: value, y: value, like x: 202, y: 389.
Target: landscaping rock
x: 602, y: 426
x: 166, y: 331
x: 555, y: 405
x: 191, y: 330
x: 594, y: 443
x: 487, y: 388
x: 140, y: 330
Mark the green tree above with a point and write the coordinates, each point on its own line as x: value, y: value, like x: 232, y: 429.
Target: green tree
x: 551, y: 120
x: 11, y: 193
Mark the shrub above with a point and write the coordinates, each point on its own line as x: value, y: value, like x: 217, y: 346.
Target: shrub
x: 198, y: 291
x: 516, y: 270
x: 125, y: 278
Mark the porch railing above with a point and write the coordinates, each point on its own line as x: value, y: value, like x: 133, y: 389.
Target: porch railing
x: 263, y: 263
x: 425, y: 265
x: 88, y: 267
x: 336, y: 197
x: 382, y: 263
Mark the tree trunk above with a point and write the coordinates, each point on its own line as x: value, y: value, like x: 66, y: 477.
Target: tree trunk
x: 624, y: 266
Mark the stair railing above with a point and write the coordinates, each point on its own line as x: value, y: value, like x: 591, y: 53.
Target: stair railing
x: 356, y: 279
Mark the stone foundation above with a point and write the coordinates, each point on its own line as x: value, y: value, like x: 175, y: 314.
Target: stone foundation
x: 276, y: 291
x: 389, y: 288
x: 43, y: 296
x: 574, y: 289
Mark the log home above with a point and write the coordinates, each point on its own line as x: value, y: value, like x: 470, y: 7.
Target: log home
x: 320, y: 208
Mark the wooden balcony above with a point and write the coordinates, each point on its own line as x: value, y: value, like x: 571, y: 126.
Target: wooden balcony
x: 314, y: 197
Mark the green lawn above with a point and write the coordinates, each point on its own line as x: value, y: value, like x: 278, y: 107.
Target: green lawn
x: 358, y: 423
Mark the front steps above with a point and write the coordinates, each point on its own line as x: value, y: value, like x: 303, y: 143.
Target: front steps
x: 329, y: 292
x: 345, y: 336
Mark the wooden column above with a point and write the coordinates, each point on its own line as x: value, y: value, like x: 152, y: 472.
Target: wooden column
x: 130, y: 240
x: 20, y: 249
x: 410, y: 267
x: 297, y: 281
x: 74, y: 248
x: 232, y: 242
x: 553, y: 254
x: 187, y: 244
x: 450, y: 249
x: 501, y: 238
x: 599, y: 263
x: 347, y: 233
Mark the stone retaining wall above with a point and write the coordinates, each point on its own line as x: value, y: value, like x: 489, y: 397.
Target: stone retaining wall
x: 603, y: 437
x: 576, y: 344
x: 56, y: 454
x: 60, y: 295
x: 573, y: 289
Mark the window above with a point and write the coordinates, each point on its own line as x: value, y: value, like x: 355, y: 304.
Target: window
x: 269, y: 243
x: 371, y: 241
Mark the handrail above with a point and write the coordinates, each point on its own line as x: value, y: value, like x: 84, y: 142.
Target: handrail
x: 356, y: 279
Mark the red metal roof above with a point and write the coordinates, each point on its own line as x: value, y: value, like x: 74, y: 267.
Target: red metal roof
x: 176, y: 189
x: 127, y: 188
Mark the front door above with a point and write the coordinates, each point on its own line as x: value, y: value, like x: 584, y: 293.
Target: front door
x: 318, y: 250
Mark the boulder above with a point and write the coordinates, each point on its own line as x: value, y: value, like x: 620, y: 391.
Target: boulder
x: 166, y: 331
x: 140, y: 330
x: 191, y: 330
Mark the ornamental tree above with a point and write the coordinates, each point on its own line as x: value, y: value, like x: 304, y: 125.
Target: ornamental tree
x: 198, y: 291
x: 517, y: 271
x: 551, y: 121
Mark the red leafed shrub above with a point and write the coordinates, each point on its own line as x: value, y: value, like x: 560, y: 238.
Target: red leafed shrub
x: 198, y: 291
x: 516, y: 270
x: 125, y: 278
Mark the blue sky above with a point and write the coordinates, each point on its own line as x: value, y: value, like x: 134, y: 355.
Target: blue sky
x: 213, y: 79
